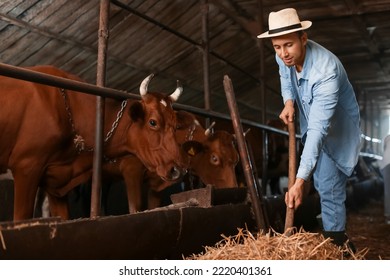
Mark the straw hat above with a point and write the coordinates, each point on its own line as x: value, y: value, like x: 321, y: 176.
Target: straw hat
x: 283, y: 22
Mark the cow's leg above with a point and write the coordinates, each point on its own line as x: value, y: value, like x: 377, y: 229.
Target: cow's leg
x: 274, y: 185
x: 133, y: 171
x: 134, y: 192
x: 59, y: 206
x: 154, y: 199
x: 39, y: 201
x: 25, y: 189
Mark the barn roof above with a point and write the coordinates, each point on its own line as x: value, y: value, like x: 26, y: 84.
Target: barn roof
x: 167, y: 38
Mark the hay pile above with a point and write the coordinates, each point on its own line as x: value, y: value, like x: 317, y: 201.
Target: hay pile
x: 275, y: 246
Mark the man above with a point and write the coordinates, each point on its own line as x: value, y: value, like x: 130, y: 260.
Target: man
x: 315, y: 80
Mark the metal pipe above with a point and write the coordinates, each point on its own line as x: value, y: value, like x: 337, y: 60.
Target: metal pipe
x: 204, y: 7
x: 55, y: 81
x: 100, y: 104
x: 184, y: 38
x: 264, y: 173
x: 260, y: 44
x: 256, y: 198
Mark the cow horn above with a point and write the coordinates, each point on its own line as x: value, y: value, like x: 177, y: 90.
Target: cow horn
x: 246, y: 132
x: 143, y: 88
x: 178, y: 91
x: 208, y: 130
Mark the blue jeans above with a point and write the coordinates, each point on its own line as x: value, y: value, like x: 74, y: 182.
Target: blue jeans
x: 330, y: 183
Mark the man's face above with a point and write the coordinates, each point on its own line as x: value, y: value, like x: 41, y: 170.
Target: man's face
x: 291, y: 48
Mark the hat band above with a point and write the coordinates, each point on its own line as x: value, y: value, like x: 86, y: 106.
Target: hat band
x: 277, y: 30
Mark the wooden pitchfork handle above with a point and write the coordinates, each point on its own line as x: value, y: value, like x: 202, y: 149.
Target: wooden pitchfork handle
x: 292, y: 169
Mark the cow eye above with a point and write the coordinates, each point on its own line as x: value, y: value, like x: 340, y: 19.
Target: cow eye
x: 152, y: 123
x: 214, y: 159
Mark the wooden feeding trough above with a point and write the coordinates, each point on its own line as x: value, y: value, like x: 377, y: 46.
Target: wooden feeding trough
x: 196, y: 219
x: 170, y: 232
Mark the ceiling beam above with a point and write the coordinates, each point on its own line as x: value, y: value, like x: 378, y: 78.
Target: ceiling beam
x: 366, y: 34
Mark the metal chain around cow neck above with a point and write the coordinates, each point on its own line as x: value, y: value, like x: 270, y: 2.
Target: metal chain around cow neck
x: 78, y: 140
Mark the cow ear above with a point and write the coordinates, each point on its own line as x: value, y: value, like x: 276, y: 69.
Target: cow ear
x: 136, y: 111
x: 192, y: 148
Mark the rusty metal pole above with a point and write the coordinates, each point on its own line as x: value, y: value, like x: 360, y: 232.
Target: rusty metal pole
x: 263, y: 96
x: 260, y: 44
x: 256, y: 198
x: 204, y: 7
x: 100, y: 102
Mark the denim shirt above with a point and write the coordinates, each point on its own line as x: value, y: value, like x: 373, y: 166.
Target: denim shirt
x: 328, y: 110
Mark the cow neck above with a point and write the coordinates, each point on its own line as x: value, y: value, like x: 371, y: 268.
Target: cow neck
x: 78, y: 140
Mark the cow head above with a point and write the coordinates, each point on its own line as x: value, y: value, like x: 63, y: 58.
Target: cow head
x: 153, y: 132
x: 214, y: 160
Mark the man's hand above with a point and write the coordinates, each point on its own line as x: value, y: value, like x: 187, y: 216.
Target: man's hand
x: 294, y: 196
x: 287, y: 115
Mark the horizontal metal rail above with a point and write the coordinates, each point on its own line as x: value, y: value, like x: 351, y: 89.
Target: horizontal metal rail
x: 55, y: 81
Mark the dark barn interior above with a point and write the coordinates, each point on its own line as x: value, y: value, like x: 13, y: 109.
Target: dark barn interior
x: 198, y: 43
x: 169, y: 38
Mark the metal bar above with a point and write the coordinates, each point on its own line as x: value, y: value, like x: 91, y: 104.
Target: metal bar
x: 263, y: 96
x: 365, y: 122
x: 100, y: 104
x: 260, y: 44
x: 204, y: 7
x: 55, y: 81
x: 256, y: 198
x: 185, y: 38
x: 206, y: 48
x: 264, y: 173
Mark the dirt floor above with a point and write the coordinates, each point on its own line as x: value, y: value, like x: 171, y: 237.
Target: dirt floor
x: 367, y: 229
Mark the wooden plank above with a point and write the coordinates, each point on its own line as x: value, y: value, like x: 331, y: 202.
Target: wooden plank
x: 181, y: 232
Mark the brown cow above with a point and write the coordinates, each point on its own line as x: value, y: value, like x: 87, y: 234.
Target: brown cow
x: 47, y: 137
x: 277, y: 162
x: 210, y: 156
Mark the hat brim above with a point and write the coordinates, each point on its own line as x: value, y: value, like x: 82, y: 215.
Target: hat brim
x: 305, y: 25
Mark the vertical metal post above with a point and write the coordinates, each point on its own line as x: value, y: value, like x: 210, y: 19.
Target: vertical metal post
x: 365, y: 121
x: 256, y: 198
x: 262, y: 63
x: 100, y: 102
x: 264, y: 172
x: 372, y: 125
x: 377, y: 149
x: 263, y: 98
x: 205, y: 50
